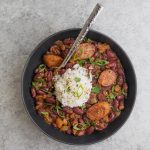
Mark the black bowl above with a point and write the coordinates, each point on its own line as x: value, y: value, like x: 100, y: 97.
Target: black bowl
x: 35, y: 59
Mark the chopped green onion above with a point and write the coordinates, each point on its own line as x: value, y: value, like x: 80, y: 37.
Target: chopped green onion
x: 41, y: 67
x: 98, y: 62
x: 112, y: 89
x: 44, y: 113
x: 39, y: 80
x: 77, y: 79
x: 87, y: 39
x: 95, y: 90
x: 81, y: 62
x: 93, y: 123
x: 123, y: 92
x: 34, y: 84
x: 79, y: 92
x: 47, y: 104
x: 76, y: 128
x: 83, y: 107
x: 80, y: 126
x: 112, y: 96
x: 91, y: 60
x: 57, y: 110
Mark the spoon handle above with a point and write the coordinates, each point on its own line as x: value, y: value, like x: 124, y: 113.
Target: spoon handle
x: 82, y: 34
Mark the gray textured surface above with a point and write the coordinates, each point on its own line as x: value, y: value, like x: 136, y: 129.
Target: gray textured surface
x: 24, y: 23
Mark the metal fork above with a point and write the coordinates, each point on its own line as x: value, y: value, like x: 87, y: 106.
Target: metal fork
x: 82, y: 34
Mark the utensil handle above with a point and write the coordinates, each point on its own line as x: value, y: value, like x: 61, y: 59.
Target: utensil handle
x: 82, y: 33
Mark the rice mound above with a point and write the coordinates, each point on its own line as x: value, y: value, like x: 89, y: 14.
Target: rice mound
x: 73, y: 88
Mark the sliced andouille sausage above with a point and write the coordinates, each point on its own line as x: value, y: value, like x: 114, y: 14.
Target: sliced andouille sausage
x: 107, y: 78
x: 52, y: 60
x: 85, y: 50
x: 102, y: 47
x: 98, y: 110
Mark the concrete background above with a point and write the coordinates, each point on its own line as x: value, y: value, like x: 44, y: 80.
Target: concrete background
x: 24, y: 23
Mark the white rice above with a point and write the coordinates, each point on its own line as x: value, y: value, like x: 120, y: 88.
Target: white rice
x: 73, y: 88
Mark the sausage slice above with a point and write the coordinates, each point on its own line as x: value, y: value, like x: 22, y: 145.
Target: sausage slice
x: 52, y: 60
x: 107, y: 78
x: 98, y: 111
x: 85, y: 50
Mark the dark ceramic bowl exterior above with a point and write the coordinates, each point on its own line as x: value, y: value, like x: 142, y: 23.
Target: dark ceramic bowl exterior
x: 35, y: 59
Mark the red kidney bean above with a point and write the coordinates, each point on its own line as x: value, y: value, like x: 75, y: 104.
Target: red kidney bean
x: 45, y: 89
x: 37, y: 76
x: 54, y: 124
x: 49, y: 84
x: 81, y: 120
x: 90, y: 130
x: 101, y: 97
x: 78, y: 111
x: 62, y: 71
x: 120, y: 80
x: 87, y: 66
x: 68, y: 41
x: 125, y: 87
x: 41, y: 74
x: 68, y: 131
x: 104, y: 56
x: 40, y: 92
x: 40, y: 109
x: 36, y: 71
x: 44, y: 85
x: 116, y: 103
x: 45, y: 74
x: 100, y: 128
x: 39, y: 105
x: 87, y: 105
x: 49, y: 76
x: 92, y: 99
x: 120, y: 71
x: 121, y: 105
x: 64, y: 53
x: 96, y: 54
x: 75, y: 121
x: 69, y: 65
x: 107, y: 88
x: 33, y: 92
x: 55, y: 50
x: 120, y: 97
x: 112, y: 64
x: 50, y: 100
x: 110, y: 54
x: 111, y: 117
x: 54, y: 116
x: 67, y: 110
x: 80, y: 133
x: 47, y: 52
x: 85, y: 118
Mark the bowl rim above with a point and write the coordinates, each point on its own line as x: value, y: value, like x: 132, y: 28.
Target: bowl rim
x: 22, y: 83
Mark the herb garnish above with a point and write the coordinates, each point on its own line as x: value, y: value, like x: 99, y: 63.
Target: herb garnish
x: 77, y: 79
x: 95, y: 90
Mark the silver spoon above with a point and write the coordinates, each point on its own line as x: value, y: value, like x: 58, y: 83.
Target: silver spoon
x: 82, y: 34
